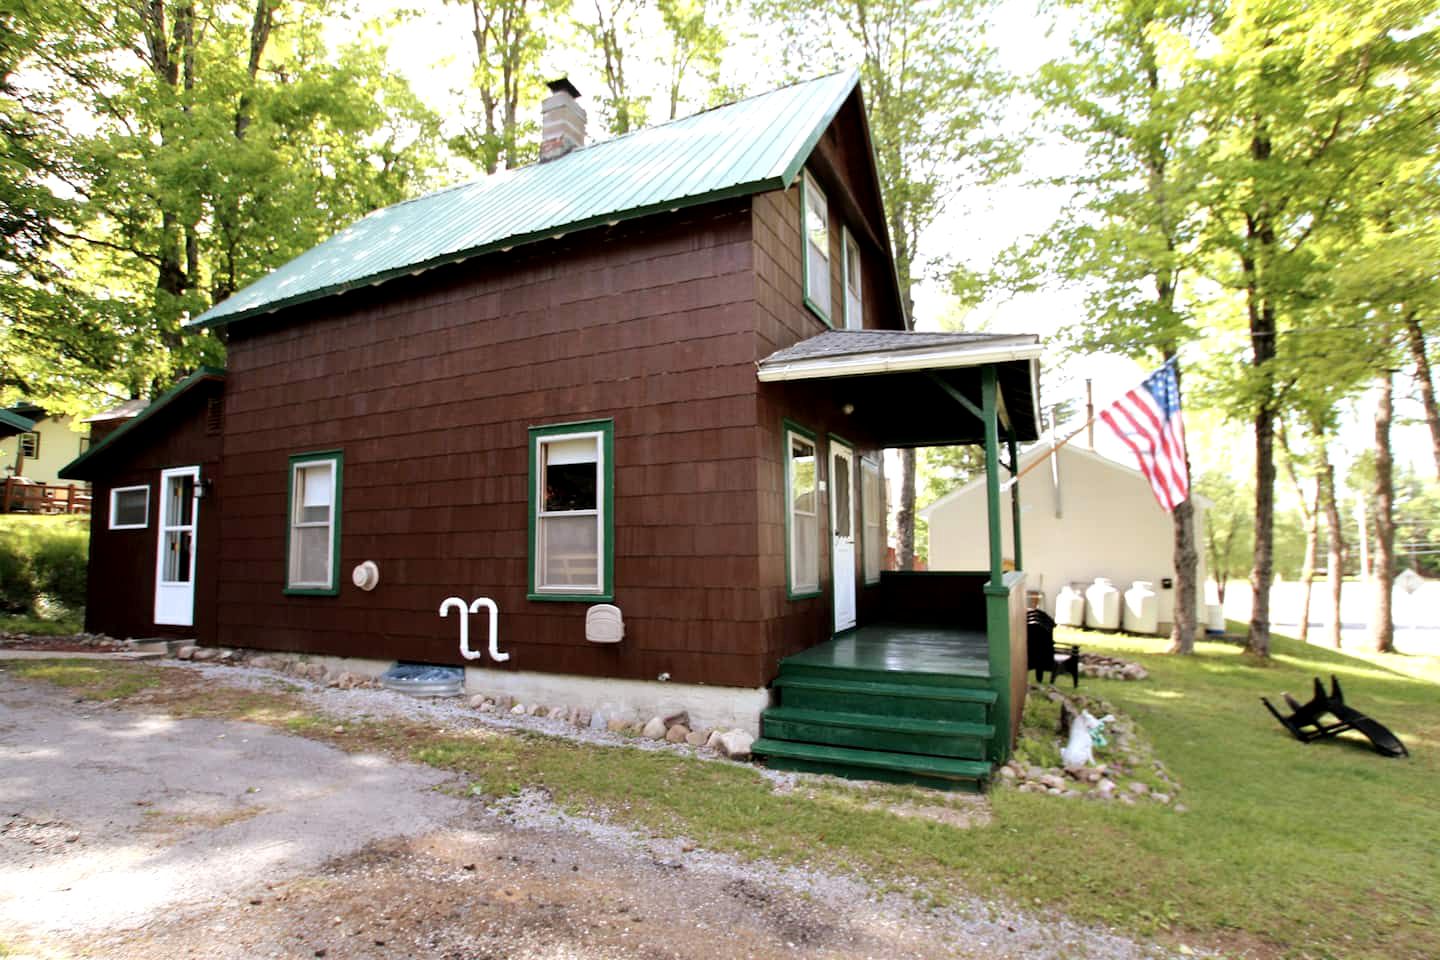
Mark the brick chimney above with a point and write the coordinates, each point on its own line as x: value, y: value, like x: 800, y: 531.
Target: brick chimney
x: 562, y: 121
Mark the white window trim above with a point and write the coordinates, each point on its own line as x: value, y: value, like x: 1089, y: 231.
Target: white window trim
x: 826, y: 310
x: 847, y: 243
x: 598, y: 588
x: 114, y: 497
x: 797, y: 588
x: 296, y: 491
x: 873, y: 468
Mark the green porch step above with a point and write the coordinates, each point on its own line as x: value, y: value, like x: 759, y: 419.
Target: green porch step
x: 920, y: 701
x: 945, y: 772
x: 979, y: 680
x: 868, y: 731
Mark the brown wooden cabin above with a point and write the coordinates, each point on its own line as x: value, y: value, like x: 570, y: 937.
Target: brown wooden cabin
x: 613, y: 377
x: 154, y: 544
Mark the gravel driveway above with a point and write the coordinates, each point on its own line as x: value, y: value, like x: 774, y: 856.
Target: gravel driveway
x: 131, y: 834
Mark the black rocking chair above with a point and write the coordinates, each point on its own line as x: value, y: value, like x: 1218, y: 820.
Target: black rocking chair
x: 1043, y: 656
x: 1305, y: 724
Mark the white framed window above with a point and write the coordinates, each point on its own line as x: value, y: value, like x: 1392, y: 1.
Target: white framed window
x: 872, y: 519
x: 815, y: 216
x: 130, y: 508
x: 313, y: 532
x: 850, y: 264
x: 30, y: 445
x: 571, y: 505
x: 802, y: 514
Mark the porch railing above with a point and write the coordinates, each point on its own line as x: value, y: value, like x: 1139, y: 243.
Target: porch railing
x: 1009, y: 669
x: 22, y: 496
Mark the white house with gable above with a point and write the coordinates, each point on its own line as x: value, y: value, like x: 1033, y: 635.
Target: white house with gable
x: 1082, y: 516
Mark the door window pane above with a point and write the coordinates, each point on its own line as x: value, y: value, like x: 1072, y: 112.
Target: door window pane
x: 176, y: 568
x: 840, y: 477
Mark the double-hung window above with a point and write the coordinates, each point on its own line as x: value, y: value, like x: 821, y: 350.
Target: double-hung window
x: 872, y: 519
x: 802, y: 515
x: 129, y: 508
x: 313, y: 530
x: 571, y: 504
x: 854, y: 306
x: 30, y: 445
x: 816, y: 227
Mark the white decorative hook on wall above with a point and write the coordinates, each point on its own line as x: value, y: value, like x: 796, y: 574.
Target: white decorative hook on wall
x: 455, y: 603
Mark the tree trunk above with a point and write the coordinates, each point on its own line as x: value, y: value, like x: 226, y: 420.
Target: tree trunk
x: 1187, y: 563
x: 1262, y: 574
x: 1325, y: 494
x: 905, y: 517
x: 1307, y: 570
x: 1416, y: 339
x: 1384, y: 626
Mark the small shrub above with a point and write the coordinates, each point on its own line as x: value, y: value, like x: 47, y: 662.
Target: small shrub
x: 17, y: 579
x: 59, y: 567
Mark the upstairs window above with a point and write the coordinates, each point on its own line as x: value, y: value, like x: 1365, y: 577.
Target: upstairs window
x: 802, y: 515
x: 314, y: 527
x: 854, y: 307
x: 872, y: 519
x: 129, y: 508
x: 30, y: 445
x: 816, y: 227
x: 571, y: 526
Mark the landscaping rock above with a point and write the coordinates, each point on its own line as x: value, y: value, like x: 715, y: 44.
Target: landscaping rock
x: 186, y: 652
x: 617, y: 724
x: 1008, y: 772
x: 504, y: 702
x: 583, y: 719
x: 655, y: 729
x: 677, y: 733
x: 518, y: 710
x: 1137, y: 788
x: 736, y: 744
x: 1160, y: 797
x: 682, y: 718
x: 477, y: 701
x: 713, y: 741
x: 696, y: 738
x: 204, y: 653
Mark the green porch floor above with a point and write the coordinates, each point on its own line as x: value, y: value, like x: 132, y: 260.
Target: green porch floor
x: 889, y: 648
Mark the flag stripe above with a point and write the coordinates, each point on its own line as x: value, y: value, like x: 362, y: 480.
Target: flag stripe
x: 1148, y: 420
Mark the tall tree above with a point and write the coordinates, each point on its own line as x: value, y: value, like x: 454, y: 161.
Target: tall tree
x: 508, y: 39
x: 698, y: 41
x: 1303, y: 103
x: 219, y: 139
x: 614, y: 34
x: 1310, y: 510
x: 1125, y: 236
x: 934, y: 95
x: 1383, y: 626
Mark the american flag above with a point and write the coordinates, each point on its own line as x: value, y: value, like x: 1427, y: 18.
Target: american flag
x: 1148, y: 420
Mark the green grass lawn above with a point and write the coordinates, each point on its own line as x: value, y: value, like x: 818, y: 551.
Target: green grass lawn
x: 1325, y: 850
x: 20, y: 536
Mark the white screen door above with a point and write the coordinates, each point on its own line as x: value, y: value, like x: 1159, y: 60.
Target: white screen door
x: 842, y: 532
x: 175, y: 555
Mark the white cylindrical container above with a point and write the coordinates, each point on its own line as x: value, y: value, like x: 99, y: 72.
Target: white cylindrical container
x: 1214, y: 618
x: 1069, y: 607
x: 1102, y: 605
x: 1142, y: 608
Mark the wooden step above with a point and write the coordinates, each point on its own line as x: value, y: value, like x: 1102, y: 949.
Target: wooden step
x: 957, y: 704
x: 944, y: 772
x: 904, y: 678
x: 867, y: 731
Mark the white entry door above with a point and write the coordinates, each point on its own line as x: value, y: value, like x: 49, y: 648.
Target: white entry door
x: 842, y: 532
x: 175, y: 554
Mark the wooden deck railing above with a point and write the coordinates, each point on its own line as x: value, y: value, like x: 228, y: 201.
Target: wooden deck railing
x: 20, y: 496
x: 1005, y: 628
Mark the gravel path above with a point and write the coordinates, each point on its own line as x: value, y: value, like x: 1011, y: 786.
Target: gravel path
x: 127, y: 834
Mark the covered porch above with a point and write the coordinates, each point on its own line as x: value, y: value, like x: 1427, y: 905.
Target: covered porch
x: 929, y: 685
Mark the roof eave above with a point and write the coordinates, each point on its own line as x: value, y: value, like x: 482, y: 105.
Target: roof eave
x: 877, y: 362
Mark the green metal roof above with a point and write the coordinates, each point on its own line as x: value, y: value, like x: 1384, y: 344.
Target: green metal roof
x: 745, y: 147
x: 12, y: 422
x: 77, y: 469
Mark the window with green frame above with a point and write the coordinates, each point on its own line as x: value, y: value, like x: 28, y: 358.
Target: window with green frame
x: 815, y: 258
x: 572, y: 525
x: 802, y: 513
x: 312, y: 533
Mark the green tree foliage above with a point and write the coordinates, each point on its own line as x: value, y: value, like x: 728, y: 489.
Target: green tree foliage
x: 174, y: 152
x: 698, y: 41
x: 614, y: 34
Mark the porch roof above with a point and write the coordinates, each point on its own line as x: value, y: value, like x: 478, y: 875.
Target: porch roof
x: 898, y: 383
x: 12, y: 423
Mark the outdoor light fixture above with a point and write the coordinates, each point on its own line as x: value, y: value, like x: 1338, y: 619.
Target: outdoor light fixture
x: 203, y: 488
x: 848, y: 409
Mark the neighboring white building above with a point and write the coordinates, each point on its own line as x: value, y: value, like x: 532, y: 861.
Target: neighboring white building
x: 1082, y: 516
x: 40, y: 453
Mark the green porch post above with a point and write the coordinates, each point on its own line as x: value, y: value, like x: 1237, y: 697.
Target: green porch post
x: 997, y: 596
x: 1014, y: 498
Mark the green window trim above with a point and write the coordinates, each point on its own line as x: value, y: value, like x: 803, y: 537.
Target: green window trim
x: 789, y: 427
x: 337, y: 460
x: 807, y: 183
x: 604, y: 430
